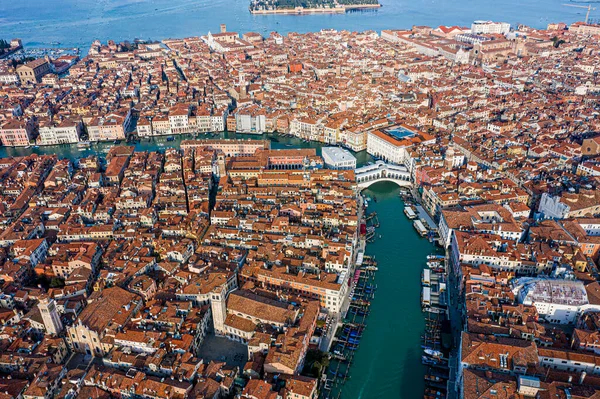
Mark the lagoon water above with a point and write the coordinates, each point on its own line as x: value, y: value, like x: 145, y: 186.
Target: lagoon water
x: 76, y: 23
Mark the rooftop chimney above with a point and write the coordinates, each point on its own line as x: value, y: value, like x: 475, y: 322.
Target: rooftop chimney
x: 223, y: 28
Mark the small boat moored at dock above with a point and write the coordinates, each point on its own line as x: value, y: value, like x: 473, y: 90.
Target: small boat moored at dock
x: 433, y: 352
x: 434, y: 265
x: 435, y: 257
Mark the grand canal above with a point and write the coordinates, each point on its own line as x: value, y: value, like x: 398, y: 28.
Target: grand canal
x: 387, y: 363
x: 161, y: 143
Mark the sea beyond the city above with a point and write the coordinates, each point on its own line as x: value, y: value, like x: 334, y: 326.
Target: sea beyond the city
x: 39, y: 23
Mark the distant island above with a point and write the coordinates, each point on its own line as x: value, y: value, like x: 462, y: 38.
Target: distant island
x: 309, y: 6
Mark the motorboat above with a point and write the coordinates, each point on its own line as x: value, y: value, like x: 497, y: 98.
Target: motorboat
x: 433, y: 352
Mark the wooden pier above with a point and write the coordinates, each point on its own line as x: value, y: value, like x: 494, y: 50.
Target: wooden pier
x: 347, y: 337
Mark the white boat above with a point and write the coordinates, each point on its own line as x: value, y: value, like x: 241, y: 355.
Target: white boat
x: 432, y: 352
x: 434, y: 310
x: 83, y: 144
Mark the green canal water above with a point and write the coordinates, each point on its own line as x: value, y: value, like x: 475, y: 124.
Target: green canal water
x: 160, y: 143
x: 388, y: 361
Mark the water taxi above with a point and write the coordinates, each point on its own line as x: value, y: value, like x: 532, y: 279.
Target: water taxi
x: 434, y: 265
x: 433, y: 352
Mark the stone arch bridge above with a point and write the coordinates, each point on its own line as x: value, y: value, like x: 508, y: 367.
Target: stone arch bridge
x: 381, y: 171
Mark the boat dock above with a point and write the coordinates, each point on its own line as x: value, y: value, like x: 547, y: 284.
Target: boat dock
x: 409, y: 212
x: 435, y: 340
x: 371, y: 222
x: 349, y: 332
x: 425, y: 218
x: 372, y: 219
x: 405, y: 194
x: 434, y: 282
x: 418, y: 225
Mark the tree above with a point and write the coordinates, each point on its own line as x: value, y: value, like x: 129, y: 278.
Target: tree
x: 315, y: 362
x: 316, y: 368
x: 56, y: 282
x: 557, y: 42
